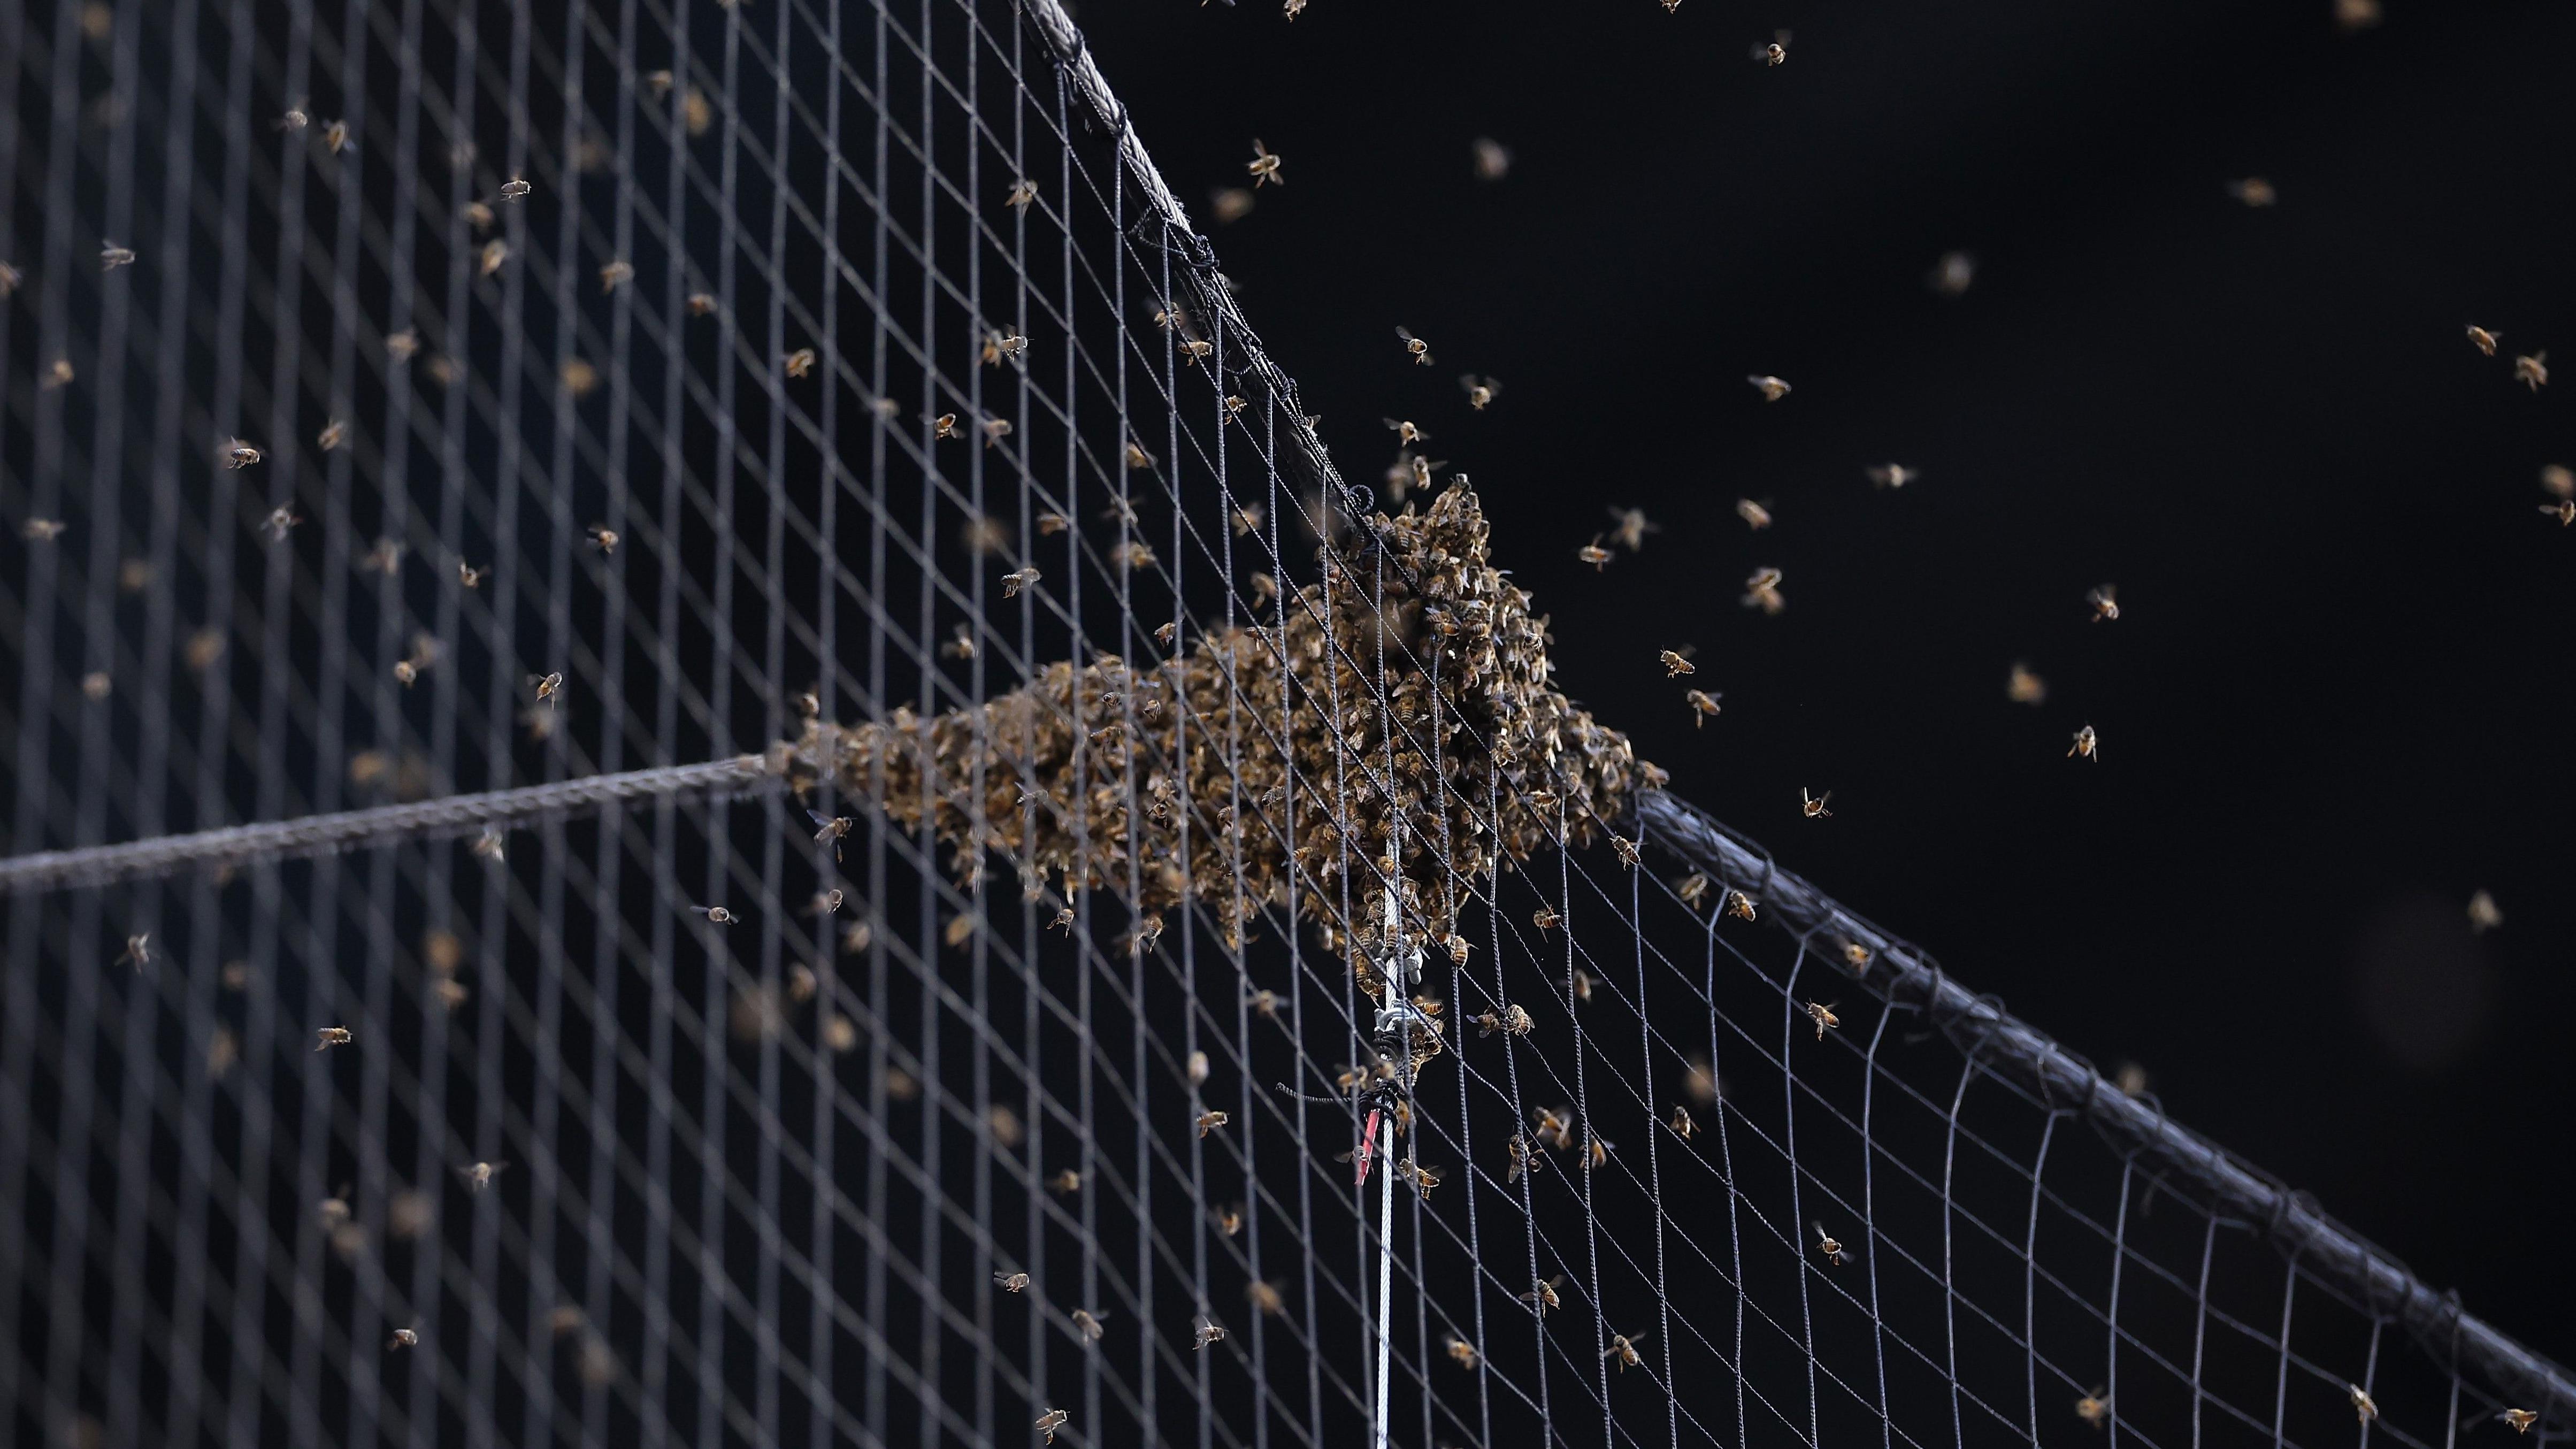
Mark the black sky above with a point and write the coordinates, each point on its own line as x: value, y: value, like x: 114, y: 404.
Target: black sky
x: 2338, y: 699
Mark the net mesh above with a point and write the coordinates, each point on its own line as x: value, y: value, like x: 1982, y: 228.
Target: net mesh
x: 637, y: 387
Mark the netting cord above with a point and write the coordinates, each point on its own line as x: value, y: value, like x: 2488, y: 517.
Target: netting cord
x: 240, y: 845
x: 2001, y: 1043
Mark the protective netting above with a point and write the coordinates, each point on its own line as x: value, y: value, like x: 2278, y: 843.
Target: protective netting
x: 834, y: 743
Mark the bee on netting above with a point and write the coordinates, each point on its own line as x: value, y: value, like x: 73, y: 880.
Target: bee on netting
x: 998, y: 345
x: 702, y: 304
x: 2520, y: 1419
x: 1263, y: 167
x: 42, y: 530
x: 1692, y: 888
x: 2363, y: 1405
x: 2254, y: 191
x: 1011, y: 1282
x: 1891, y: 475
x: 1480, y: 390
x: 1626, y: 849
x: 1415, y: 347
x: 496, y: 255
x: 800, y: 363
x: 1755, y: 516
x: 1545, y: 918
x: 1776, y: 52
x: 2483, y: 340
x: 1050, y: 1421
x: 1542, y: 1295
x: 403, y: 1338
x: 1087, y: 1324
x: 1823, y: 1016
x: 1266, y: 1297
x: 2025, y: 687
x: 1017, y: 580
x: 1208, y: 1121
x: 2087, y: 744
x: 1683, y: 1126
x: 1826, y: 1245
x: 1511, y: 1021
x: 825, y: 903
x: 1703, y: 705
x: 236, y: 454
x: 1623, y: 1348
x: 1739, y: 905
x: 281, y: 522
x: 1814, y: 805
x: 1594, y: 554
x: 1772, y: 389
x: 1762, y: 591
x: 1204, y: 1331
x: 616, y: 274
x: 111, y: 256
x: 335, y: 137
x: 2094, y: 1409
x: 138, y: 949
x: 2564, y: 510
x: 1023, y: 192
x: 1461, y: 1351
x: 716, y: 915
x: 2532, y: 370
x: 2484, y: 916
x: 1556, y: 1128
x: 325, y: 1038
x: 1856, y: 955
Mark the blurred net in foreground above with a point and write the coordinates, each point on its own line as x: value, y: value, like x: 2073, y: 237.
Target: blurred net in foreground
x: 842, y: 390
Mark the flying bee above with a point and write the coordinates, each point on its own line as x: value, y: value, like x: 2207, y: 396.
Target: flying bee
x: 281, y: 522
x: 2086, y: 744
x: 1953, y: 274
x: 293, y: 120
x: 2532, y: 370
x: 1480, y: 390
x: 333, y: 434
x: 1693, y: 887
x: 1676, y: 665
x: 1011, y: 1282
x: 2105, y: 601
x: 1755, y: 516
x: 237, y: 454
x: 335, y: 137
x: 1762, y: 591
x: 1246, y: 519
x: 138, y: 949
x: 2254, y: 191
x: 1629, y: 527
x: 1772, y: 389
x: 1020, y: 579
x: 1543, y: 1294
x: 1553, y: 1128
x: 2564, y: 510
x: 1545, y: 918
x: 1264, y: 1004
x: 42, y: 530
x: 111, y: 256
x: 1814, y: 805
x: 604, y: 538
x: 1023, y: 192
x: 1703, y: 706
x: 801, y: 362
x: 1891, y: 475
x: 1208, y: 1121
x: 2558, y: 481
x: 496, y: 254
x: 58, y: 375
x: 1087, y: 1323
x: 1050, y: 524
x: 328, y: 1037
x: 1266, y: 1297
x: 1064, y: 1183
x: 1415, y: 347
x: 2362, y: 1404
x: 1683, y: 1126
x: 834, y: 829
x: 1461, y: 1351
x: 1776, y: 52
x: 1594, y: 554
x: 1204, y: 1331
x: 2520, y: 1419
x: 1823, y: 1016
x: 825, y: 903
x: 716, y: 915
x: 1596, y: 1151
x: 468, y: 575
x: 2025, y: 687
x: 1406, y: 434
x: 1826, y: 1245
x: 2484, y: 916
x: 402, y: 346
x: 1420, y: 1178
x: 515, y: 189
x: 1137, y: 457
x: 1263, y: 167
x: 2483, y: 340
x: 616, y: 274
x: 10, y: 277
x: 1855, y: 955
x: 1193, y: 349
x: 403, y: 1338
x: 547, y: 686
x: 1739, y: 905
x: 478, y: 1175
x: 2093, y: 1409
x: 479, y: 216
x: 999, y: 345
x: 702, y: 304
x: 1623, y: 1347
x: 406, y: 673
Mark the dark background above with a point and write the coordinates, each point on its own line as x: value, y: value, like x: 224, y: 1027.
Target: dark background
x: 2336, y: 703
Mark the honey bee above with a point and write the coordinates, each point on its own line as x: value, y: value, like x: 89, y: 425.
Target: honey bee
x: 2532, y: 370
x: 10, y: 277
x: 1265, y: 1297
x: 1132, y: 555
x: 835, y: 829
x: 1204, y: 1331
x: 281, y: 522
x: 1543, y: 1295
x: 604, y: 538
x: 1050, y: 1421
x: 1087, y: 1323
x: 2105, y: 601
x: 1511, y: 1020
x: 2564, y: 510
x: 825, y: 903
x: 2086, y: 744
x: 2362, y: 1404
x: 1693, y: 887
x: 42, y: 530
x: 1023, y: 192
x: 2483, y: 914
x: 478, y: 1175
x: 1264, y: 1004
x: 1953, y: 274
x: 1480, y: 390
x: 1461, y: 1351
x: 2520, y: 1419
x: 2024, y: 687
x: 999, y: 345
x: 2131, y: 1079
x: 2558, y: 481
x: 1596, y: 1151
x: 293, y: 120
x: 702, y: 304
x: 515, y: 189
x: 1823, y: 1016
x: 330, y: 1036
x: 111, y: 256
x: 1263, y: 167
x: 1739, y: 905
x: 1703, y: 705
x: 496, y: 254
x: 547, y: 686
x: 479, y: 216
x: 1772, y: 389
x: 1892, y: 475
x: 138, y: 949
x: 237, y: 454
x: 1522, y: 1159
x: 1776, y: 52
x: 403, y: 1338
x: 1230, y: 204
x: 1050, y: 524
x: 1193, y: 349
x: 1623, y: 1348
x: 1208, y: 1121
x: 58, y: 375
x: 1826, y: 1245
x: 1856, y: 955
x: 1063, y: 921
x: 1755, y: 516
x: 1011, y: 1282
x: 1292, y: 8
x: 800, y: 363
x: 1406, y: 434
x: 2483, y: 340
x: 468, y: 575
x: 1675, y: 666
x: 1556, y: 1128
x: 1762, y: 591
x: 1683, y: 1126
x: 1545, y: 918
x: 1814, y: 805
x: 335, y: 137
x: 1137, y: 457
x: 1415, y: 347
x: 1247, y: 519
x: 2253, y: 191
x: 2093, y: 1409
x: 1594, y: 554
x: 1626, y: 849
x: 402, y: 346
x: 716, y: 915
x: 1020, y: 579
